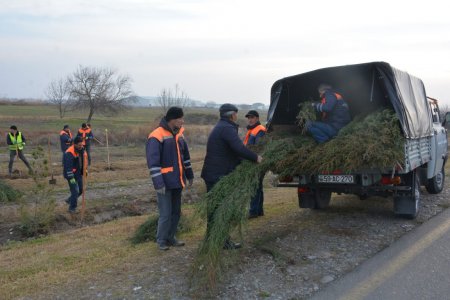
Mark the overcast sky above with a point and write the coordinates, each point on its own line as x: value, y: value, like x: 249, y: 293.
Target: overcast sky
x: 218, y: 50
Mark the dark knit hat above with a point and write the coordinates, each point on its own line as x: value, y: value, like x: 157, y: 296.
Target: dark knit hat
x: 66, y: 126
x: 13, y: 127
x: 77, y: 140
x: 174, y: 113
x: 226, y: 108
x: 83, y: 125
x: 253, y: 113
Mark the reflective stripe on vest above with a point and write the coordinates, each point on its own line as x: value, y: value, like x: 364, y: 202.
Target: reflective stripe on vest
x: 17, y: 142
x: 323, y: 101
x: 162, y: 134
x: 253, y: 132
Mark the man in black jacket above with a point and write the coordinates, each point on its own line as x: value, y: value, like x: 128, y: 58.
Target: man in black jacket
x: 224, y: 151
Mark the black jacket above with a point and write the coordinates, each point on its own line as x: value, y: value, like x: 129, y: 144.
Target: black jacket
x: 224, y: 151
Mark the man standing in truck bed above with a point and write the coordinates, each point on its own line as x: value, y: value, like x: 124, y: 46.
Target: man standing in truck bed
x: 334, y: 114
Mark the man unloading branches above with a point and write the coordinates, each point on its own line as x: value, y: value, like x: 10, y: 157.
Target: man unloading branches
x: 334, y: 114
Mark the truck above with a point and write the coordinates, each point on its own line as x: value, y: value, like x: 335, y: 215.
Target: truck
x: 366, y: 88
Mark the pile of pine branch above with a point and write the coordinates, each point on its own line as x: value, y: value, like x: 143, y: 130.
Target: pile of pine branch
x: 371, y: 142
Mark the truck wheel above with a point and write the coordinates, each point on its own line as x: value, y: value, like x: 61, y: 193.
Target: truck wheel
x: 306, y: 200
x: 435, y: 185
x: 408, y: 205
x: 322, y: 199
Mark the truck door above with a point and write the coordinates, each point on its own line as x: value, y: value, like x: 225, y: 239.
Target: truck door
x: 438, y: 142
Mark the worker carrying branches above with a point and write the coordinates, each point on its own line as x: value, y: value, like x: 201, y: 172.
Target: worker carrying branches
x: 334, y: 114
x: 16, y: 142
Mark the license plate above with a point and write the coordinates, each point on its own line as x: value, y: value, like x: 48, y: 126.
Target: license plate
x: 336, y: 179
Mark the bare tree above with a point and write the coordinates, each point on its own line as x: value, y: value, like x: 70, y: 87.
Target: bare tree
x: 176, y: 97
x: 100, y: 90
x: 58, y: 94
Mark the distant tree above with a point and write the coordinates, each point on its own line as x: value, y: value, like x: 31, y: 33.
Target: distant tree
x: 175, y: 97
x: 58, y: 94
x: 244, y: 106
x: 258, y: 106
x: 100, y: 90
x: 210, y: 104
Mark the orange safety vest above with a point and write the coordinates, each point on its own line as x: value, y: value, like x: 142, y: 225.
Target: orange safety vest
x: 253, y: 132
x: 323, y: 101
x: 63, y: 132
x: 162, y: 134
x: 84, y: 132
x: 72, y: 151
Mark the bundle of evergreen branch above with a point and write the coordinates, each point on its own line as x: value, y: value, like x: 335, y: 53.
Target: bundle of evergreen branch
x: 7, y: 193
x: 229, y: 199
x: 372, y: 142
x: 375, y: 141
x: 306, y: 113
x: 147, y: 231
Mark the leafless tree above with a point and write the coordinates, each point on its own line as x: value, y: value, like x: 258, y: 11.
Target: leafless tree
x: 100, y: 90
x: 58, y: 94
x: 175, y: 97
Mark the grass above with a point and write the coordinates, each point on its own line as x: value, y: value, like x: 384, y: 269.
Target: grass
x: 45, y: 265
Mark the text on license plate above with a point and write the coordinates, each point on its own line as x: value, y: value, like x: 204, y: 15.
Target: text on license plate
x: 336, y: 179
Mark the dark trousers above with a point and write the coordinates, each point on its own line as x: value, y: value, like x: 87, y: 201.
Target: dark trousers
x: 75, y: 191
x: 257, y: 202
x: 321, y: 131
x: 210, y: 210
x: 12, y: 155
x: 169, y: 206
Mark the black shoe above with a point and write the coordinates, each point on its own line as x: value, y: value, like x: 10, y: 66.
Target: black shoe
x: 261, y: 214
x: 252, y: 216
x: 230, y: 245
x: 163, y: 247
x: 176, y: 243
x: 72, y: 211
x: 67, y: 201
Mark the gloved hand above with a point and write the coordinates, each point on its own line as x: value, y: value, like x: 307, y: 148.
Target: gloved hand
x: 72, y: 181
x: 161, y: 191
x: 190, y: 181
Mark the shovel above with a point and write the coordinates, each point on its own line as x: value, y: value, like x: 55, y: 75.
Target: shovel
x: 52, y: 180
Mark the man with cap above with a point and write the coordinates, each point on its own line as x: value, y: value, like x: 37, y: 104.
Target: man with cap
x: 86, y: 135
x: 334, y: 114
x: 73, y: 161
x: 65, y: 137
x: 224, y: 151
x: 254, y: 132
x: 16, y: 142
x: 169, y: 162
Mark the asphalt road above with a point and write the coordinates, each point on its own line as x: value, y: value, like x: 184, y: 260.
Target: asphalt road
x: 417, y: 266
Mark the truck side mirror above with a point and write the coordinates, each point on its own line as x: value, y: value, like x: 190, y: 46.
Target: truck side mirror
x: 446, y: 119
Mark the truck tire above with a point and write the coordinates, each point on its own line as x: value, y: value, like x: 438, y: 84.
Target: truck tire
x: 407, y: 205
x: 317, y: 199
x: 435, y: 185
x: 306, y: 200
x: 322, y: 199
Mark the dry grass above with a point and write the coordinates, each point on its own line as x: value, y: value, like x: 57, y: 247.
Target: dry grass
x: 39, y: 267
